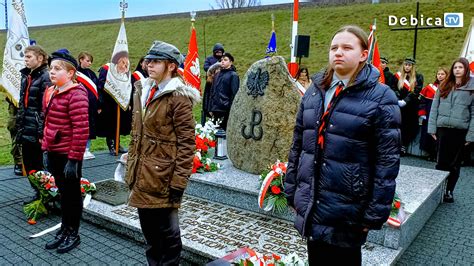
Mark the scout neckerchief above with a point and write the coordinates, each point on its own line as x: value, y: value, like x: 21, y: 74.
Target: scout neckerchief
x: 325, y: 117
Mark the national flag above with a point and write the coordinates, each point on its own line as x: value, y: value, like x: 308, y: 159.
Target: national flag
x: 118, y: 83
x: 468, y: 47
x: 191, y: 72
x: 374, y: 54
x: 13, y: 57
x: 272, y: 44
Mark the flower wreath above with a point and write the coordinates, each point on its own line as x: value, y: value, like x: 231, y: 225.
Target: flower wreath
x: 271, y: 189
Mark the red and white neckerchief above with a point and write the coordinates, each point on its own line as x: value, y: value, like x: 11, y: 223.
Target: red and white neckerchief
x: 325, y: 117
x: 406, y: 84
x: 87, y: 82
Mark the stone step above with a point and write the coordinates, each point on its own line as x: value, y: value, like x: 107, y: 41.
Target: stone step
x: 210, y: 230
x: 420, y: 190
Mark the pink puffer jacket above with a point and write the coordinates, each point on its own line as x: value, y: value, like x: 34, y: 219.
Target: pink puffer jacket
x: 66, y: 127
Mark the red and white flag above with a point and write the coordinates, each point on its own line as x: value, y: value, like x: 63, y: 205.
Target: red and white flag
x: 191, y: 65
x: 374, y: 54
x: 468, y: 47
x: 13, y: 57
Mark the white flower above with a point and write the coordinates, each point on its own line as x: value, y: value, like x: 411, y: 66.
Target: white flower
x: 198, y: 154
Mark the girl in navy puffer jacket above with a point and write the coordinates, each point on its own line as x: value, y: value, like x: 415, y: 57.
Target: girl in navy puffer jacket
x: 345, y: 154
x: 65, y: 136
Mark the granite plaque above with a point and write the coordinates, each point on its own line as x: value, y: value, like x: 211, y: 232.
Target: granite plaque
x: 111, y: 192
x: 219, y: 229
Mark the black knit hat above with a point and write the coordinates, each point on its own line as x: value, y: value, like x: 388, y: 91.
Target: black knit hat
x: 63, y: 54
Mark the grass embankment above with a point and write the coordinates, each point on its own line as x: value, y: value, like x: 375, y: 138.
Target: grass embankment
x: 246, y: 35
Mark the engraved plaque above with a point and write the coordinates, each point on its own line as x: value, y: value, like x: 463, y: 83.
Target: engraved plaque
x: 111, y: 192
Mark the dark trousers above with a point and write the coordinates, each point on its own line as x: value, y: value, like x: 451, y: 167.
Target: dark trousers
x: 451, y: 143
x: 161, y: 230
x: 321, y: 253
x: 32, y: 156
x: 11, y: 126
x: 69, y: 189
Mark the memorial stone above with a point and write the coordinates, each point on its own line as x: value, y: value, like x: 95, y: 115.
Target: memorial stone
x: 262, y: 117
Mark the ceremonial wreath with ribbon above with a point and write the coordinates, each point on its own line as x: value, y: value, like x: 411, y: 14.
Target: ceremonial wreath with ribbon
x: 271, y: 196
x: 397, y: 213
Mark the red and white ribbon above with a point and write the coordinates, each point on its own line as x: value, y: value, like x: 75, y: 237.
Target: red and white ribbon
x: 278, y: 169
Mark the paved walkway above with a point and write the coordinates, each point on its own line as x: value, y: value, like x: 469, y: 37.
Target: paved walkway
x: 447, y: 238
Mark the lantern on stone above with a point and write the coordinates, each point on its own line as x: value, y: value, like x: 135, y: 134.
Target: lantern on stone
x: 221, y: 145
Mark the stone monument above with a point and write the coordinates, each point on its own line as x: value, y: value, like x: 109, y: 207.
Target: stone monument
x: 262, y: 117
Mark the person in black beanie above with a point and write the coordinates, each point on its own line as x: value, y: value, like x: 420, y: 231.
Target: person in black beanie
x: 64, y: 142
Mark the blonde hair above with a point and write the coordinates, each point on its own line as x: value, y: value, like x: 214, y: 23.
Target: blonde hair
x: 403, y: 76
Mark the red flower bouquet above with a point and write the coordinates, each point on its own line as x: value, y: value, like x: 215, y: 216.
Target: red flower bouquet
x: 48, y: 190
x: 205, y: 140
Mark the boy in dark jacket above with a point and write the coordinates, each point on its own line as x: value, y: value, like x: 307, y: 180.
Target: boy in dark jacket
x: 224, y: 88
x: 30, y: 118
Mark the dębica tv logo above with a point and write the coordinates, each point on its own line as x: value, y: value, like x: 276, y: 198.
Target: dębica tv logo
x: 450, y: 20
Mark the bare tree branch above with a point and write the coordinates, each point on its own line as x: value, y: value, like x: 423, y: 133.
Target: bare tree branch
x: 226, y: 4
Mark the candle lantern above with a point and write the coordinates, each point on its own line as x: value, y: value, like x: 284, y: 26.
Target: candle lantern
x: 221, y: 145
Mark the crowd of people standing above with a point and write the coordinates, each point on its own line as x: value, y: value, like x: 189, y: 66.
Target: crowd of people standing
x: 339, y: 189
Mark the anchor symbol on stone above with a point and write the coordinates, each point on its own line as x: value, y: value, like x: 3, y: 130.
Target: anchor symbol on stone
x: 256, y: 120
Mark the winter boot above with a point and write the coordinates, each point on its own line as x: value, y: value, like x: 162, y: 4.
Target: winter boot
x: 448, y: 197
x: 58, y: 239
x: 111, y: 146
x: 72, y: 240
x: 17, y: 169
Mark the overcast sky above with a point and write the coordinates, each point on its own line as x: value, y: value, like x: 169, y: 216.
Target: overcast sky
x: 48, y: 12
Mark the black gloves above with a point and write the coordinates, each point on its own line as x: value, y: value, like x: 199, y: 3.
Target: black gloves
x: 45, y: 160
x: 70, y: 170
x: 176, y: 195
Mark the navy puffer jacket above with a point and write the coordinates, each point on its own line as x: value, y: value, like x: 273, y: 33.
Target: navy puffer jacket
x: 349, y: 185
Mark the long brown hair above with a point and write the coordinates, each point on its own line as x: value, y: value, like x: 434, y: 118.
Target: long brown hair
x: 437, y: 82
x: 403, y: 76
x: 449, y: 84
x: 363, y: 37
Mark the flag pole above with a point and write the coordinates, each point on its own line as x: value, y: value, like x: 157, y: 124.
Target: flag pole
x: 123, y: 6
x: 293, y: 66
x: 273, y: 22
